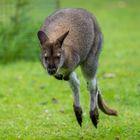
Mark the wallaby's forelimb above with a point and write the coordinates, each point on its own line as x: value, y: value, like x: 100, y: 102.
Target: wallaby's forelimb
x: 102, y: 105
x: 61, y: 77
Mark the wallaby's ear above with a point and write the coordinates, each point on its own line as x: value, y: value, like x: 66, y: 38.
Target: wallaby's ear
x: 61, y: 38
x: 42, y: 37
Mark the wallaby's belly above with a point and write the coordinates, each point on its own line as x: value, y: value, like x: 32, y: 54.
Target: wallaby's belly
x: 80, y: 26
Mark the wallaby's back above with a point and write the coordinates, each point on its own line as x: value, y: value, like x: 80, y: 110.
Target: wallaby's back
x: 82, y: 26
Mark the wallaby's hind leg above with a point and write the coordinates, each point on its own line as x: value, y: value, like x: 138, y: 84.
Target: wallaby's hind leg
x: 92, y: 87
x: 75, y: 85
x: 96, y: 99
x: 89, y: 68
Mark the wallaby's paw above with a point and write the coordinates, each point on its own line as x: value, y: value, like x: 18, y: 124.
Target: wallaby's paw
x: 78, y: 114
x: 66, y: 78
x: 94, y: 116
x: 59, y: 77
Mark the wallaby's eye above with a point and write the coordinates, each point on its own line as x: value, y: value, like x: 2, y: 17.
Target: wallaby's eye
x: 45, y: 56
x: 58, y: 56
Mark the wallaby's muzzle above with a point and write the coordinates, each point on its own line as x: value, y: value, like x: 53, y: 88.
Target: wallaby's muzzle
x: 52, y: 71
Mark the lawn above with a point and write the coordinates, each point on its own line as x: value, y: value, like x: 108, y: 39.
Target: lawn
x: 34, y: 105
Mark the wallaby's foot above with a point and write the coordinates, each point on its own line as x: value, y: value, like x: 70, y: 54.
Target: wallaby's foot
x: 94, y: 116
x: 59, y: 77
x: 78, y: 114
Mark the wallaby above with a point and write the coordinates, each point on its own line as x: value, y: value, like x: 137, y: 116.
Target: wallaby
x: 70, y: 38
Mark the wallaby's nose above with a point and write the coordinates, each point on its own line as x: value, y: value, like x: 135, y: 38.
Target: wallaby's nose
x: 51, y: 71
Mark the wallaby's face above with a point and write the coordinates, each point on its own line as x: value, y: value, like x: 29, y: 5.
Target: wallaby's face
x: 52, y: 54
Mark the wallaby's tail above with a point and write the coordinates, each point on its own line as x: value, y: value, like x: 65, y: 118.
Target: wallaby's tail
x: 102, y: 105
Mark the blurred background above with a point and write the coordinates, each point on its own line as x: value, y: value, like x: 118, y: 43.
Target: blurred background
x: 21, y: 19
x: 19, y: 22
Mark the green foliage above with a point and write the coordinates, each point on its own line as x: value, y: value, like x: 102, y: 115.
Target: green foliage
x: 18, y: 37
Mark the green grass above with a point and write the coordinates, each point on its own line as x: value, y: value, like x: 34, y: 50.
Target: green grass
x: 26, y: 91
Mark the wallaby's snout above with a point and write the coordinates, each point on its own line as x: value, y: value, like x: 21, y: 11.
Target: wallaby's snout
x: 51, y: 64
x: 52, y: 69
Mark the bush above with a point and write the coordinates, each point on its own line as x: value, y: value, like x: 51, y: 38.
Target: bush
x: 18, y: 38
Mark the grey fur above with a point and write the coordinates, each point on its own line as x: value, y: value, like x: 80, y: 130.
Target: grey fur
x: 82, y: 42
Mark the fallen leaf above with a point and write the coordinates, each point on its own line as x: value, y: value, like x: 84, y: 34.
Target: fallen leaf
x: 43, y: 103
x: 109, y: 75
x: 117, y: 138
x: 54, y: 100
x: 46, y: 111
x: 42, y: 87
x: 61, y: 110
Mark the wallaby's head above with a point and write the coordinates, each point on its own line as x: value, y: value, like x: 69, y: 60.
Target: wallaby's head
x: 52, y: 53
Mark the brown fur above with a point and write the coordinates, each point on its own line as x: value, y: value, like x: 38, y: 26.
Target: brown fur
x: 70, y: 38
